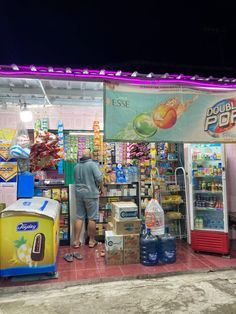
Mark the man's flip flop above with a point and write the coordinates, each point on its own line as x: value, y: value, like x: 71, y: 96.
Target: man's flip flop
x: 77, y: 245
x: 77, y: 255
x: 91, y: 245
x: 68, y: 257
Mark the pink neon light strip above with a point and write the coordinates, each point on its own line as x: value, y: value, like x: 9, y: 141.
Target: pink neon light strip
x: 110, y: 75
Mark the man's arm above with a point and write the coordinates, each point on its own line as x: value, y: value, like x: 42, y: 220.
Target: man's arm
x: 98, y: 177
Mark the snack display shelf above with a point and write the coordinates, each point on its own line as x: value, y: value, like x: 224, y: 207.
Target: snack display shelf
x: 172, y: 203
x: 123, y: 196
x: 119, y: 183
x: 64, y: 235
x: 167, y: 160
x: 171, y: 192
x: 172, y: 218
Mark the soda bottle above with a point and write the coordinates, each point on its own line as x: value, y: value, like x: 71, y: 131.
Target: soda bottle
x: 203, y: 185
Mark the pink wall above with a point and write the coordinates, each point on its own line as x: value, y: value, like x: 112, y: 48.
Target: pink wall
x: 8, y: 194
x: 74, y: 117
x: 231, y: 175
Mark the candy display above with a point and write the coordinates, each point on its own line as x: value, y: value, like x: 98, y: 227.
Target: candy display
x: 44, y: 151
x: 71, y: 148
x: 138, y: 151
x: 97, y: 141
x: 81, y: 145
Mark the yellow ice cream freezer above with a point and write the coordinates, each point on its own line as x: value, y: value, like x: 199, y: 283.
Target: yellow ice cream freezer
x: 29, y: 237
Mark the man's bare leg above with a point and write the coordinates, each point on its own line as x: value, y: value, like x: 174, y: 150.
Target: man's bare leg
x: 77, y: 230
x: 92, y: 232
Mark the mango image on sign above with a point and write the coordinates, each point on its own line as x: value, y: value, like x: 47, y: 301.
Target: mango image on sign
x: 164, y: 116
x: 144, y: 126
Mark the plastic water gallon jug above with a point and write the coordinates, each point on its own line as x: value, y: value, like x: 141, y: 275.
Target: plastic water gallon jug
x: 148, y: 249
x: 166, y: 249
x: 154, y: 218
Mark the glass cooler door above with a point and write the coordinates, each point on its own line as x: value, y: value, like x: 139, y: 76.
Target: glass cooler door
x: 208, y: 190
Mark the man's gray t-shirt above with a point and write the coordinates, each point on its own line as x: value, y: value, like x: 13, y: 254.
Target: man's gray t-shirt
x: 87, y: 178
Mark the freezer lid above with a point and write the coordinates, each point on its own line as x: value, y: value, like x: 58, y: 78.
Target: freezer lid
x: 36, y: 205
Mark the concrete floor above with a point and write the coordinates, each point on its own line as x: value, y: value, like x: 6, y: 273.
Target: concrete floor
x: 213, y: 292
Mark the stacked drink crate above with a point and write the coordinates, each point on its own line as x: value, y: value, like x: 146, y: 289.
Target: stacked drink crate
x: 123, y: 237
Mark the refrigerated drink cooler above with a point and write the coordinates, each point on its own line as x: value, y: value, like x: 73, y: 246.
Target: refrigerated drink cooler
x: 29, y: 237
x: 208, y: 203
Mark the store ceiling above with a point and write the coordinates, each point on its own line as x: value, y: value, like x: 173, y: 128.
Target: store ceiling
x: 35, y: 92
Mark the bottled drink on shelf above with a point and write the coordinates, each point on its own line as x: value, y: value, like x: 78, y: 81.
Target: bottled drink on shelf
x: 200, y: 185
x: 209, y: 186
x: 203, y: 185
x: 200, y: 223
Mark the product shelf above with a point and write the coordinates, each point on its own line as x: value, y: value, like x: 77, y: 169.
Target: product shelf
x: 124, y: 196
x: 120, y: 183
x: 209, y: 176
x: 207, y: 192
x: 208, y: 208
x: 167, y: 160
x: 201, y: 160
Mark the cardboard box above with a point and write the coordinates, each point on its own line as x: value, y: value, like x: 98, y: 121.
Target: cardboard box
x: 131, y: 241
x: 132, y: 256
x: 127, y: 227
x: 115, y: 257
x: 124, y: 210
x: 113, y: 241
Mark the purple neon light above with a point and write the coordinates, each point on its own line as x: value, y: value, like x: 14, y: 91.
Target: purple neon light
x: 126, y: 77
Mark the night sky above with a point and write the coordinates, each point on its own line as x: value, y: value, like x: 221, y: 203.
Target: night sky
x: 155, y: 36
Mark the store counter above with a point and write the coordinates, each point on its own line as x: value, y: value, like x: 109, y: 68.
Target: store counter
x: 29, y: 237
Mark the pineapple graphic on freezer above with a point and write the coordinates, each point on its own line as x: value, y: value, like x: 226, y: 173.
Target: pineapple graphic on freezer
x: 29, y: 239
x: 23, y: 251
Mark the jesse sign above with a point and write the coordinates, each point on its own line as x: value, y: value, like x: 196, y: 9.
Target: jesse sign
x: 174, y: 114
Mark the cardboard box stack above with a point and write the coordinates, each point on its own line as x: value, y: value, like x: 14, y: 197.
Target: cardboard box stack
x: 123, y: 235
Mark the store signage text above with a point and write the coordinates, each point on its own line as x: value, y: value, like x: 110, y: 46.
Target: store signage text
x: 27, y: 226
x: 221, y: 116
x: 120, y: 102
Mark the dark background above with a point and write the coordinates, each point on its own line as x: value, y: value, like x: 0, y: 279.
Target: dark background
x: 191, y: 37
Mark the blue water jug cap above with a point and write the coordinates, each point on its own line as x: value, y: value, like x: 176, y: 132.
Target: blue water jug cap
x: 167, y: 229
x: 148, y: 231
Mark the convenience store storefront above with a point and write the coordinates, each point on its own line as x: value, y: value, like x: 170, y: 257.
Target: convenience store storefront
x: 76, y: 98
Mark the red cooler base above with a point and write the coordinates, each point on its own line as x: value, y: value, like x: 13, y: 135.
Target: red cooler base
x: 210, y: 241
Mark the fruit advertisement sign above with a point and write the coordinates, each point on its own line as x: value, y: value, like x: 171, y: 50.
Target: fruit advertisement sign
x: 169, y: 114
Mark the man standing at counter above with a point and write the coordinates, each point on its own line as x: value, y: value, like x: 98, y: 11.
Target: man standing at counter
x: 88, y: 180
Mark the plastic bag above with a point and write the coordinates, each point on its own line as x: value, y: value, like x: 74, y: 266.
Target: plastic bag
x: 154, y: 217
x: 20, y: 147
